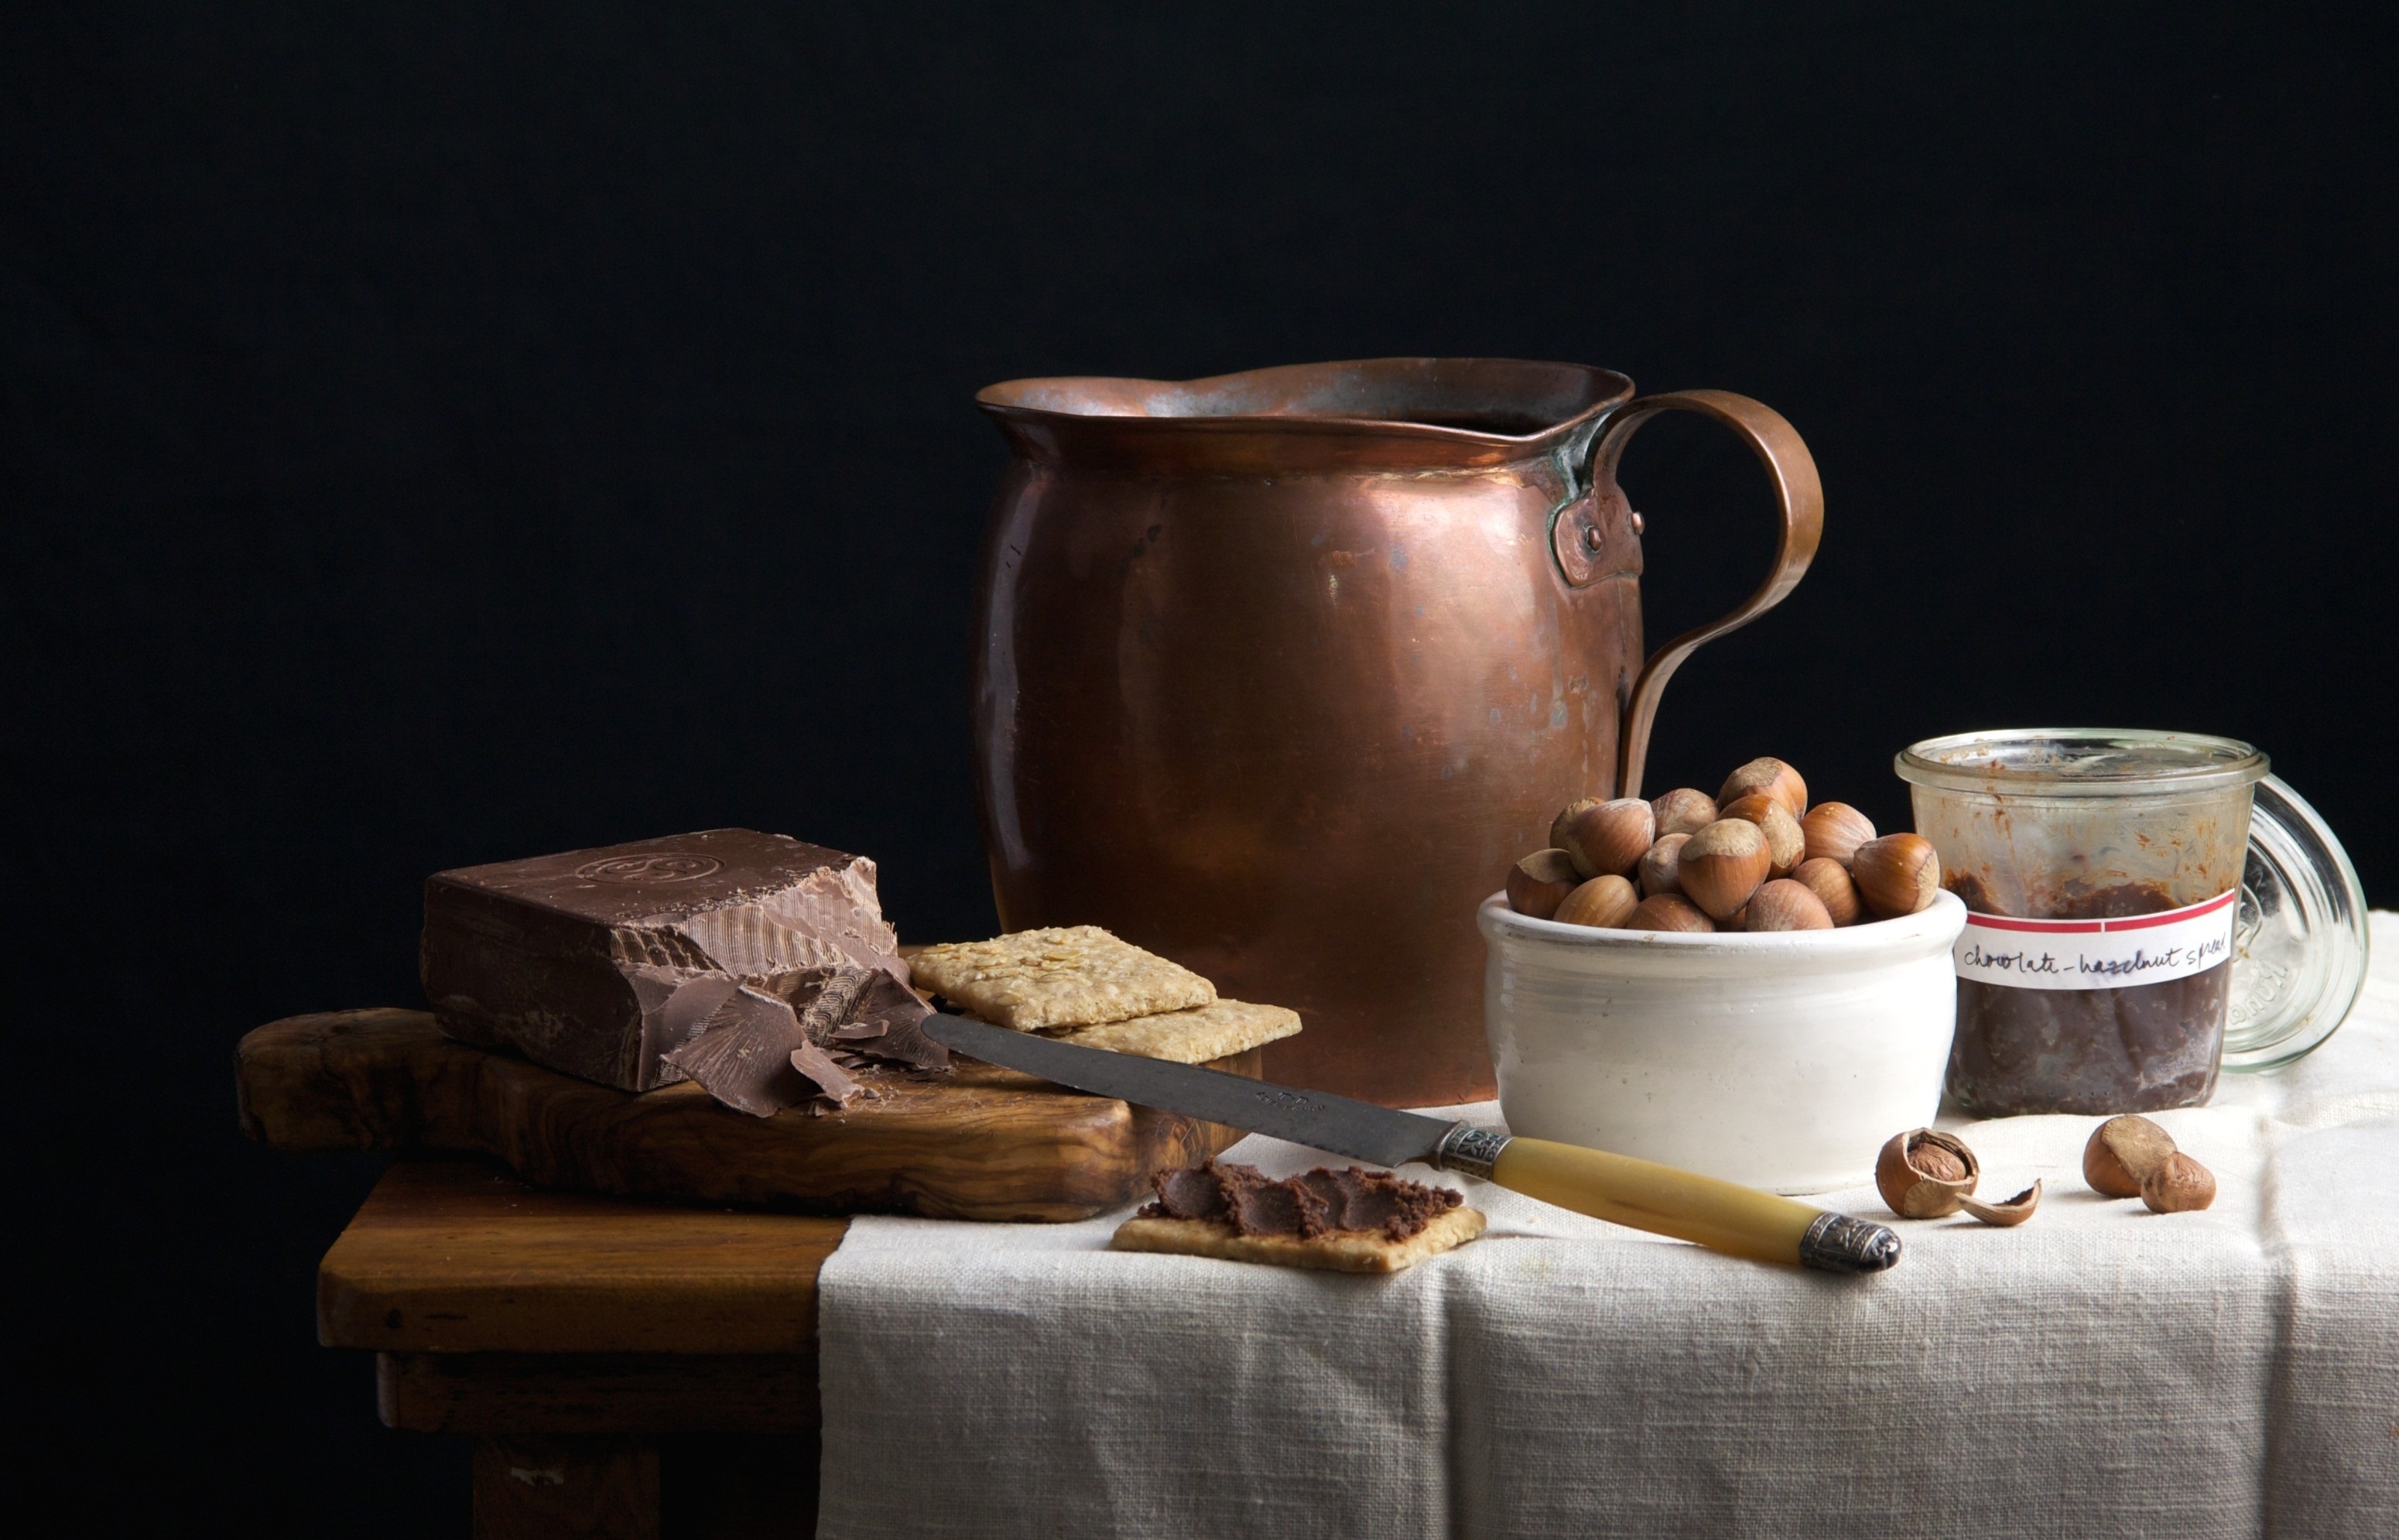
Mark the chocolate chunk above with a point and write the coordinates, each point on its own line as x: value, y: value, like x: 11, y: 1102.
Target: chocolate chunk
x: 579, y: 961
x: 832, y: 1082
x: 1311, y: 1204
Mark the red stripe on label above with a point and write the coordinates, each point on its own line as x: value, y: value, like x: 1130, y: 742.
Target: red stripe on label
x: 2089, y: 927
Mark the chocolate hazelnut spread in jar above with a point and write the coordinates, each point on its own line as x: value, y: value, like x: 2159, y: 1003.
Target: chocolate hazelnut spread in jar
x: 2114, y: 894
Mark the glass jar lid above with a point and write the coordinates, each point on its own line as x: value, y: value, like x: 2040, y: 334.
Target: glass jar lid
x: 2299, y: 942
x: 2079, y: 762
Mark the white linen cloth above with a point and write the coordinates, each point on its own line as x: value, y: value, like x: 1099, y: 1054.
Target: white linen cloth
x: 2099, y: 1371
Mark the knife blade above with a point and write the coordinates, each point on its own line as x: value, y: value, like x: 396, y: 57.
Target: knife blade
x: 1644, y: 1194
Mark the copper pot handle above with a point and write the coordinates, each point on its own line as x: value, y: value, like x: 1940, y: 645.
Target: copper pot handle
x: 1797, y: 489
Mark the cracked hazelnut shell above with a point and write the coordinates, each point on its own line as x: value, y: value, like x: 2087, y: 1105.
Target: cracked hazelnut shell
x: 2007, y: 1212
x: 1925, y: 1173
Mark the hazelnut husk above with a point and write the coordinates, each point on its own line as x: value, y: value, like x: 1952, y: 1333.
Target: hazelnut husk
x: 2121, y: 1153
x: 1660, y: 866
x: 1722, y: 865
x: 1683, y: 811
x: 1771, y: 776
x: 2179, y: 1185
x: 1608, y: 838
x: 1669, y: 911
x: 1541, y: 882
x: 1784, y: 844
x: 1604, y: 902
x: 1896, y: 875
x: 1825, y: 878
x: 1784, y: 905
x: 1925, y: 1173
x: 1834, y: 831
x: 2007, y: 1211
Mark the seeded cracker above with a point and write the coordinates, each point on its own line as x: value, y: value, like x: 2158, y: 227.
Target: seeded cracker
x: 1191, y: 1036
x: 1079, y: 975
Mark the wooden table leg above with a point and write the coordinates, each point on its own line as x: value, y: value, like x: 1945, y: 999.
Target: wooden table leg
x: 529, y: 1487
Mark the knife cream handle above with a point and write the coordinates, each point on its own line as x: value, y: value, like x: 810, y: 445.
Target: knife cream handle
x: 1720, y: 1215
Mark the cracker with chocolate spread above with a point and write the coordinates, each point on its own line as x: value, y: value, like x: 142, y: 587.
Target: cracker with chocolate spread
x: 1352, y: 1220
x: 1074, y: 976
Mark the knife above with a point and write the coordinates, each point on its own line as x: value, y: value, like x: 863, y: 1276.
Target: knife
x: 1642, y: 1194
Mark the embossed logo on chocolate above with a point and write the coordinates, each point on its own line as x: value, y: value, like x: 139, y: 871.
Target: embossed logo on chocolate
x: 640, y: 870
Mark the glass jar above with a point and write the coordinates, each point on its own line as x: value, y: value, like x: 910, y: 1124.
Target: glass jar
x: 2115, y: 890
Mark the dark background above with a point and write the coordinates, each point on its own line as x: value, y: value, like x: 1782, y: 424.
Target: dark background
x: 448, y: 432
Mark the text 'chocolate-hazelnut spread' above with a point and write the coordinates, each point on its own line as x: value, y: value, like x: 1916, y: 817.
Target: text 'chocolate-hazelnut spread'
x: 2137, y: 1048
x: 1311, y: 1204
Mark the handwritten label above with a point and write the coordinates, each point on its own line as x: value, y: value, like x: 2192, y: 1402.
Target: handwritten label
x: 2139, y: 949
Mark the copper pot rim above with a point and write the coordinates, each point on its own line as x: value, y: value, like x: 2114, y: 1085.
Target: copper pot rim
x: 1559, y: 399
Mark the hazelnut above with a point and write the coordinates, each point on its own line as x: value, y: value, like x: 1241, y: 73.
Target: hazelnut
x: 2007, y: 1211
x: 2122, y: 1151
x: 1604, y: 902
x: 1659, y: 866
x: 1608, y: 838
x: 1668, y: 912
x: 1925, y: 1173
x: 1784, y: 905
x: 1834, y: 831
x: 1825, y: 878
x: 1771, y: 776
x: 1541, y: 882
x: 2179, y: 1185
x: 1683, y: 811
x: 1566, y: 816
x: 1721, y: 866
x: 1897, y: 874
x: 1784, y: 844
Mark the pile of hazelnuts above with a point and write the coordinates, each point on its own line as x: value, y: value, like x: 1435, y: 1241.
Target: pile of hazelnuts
x: 1755, y: 856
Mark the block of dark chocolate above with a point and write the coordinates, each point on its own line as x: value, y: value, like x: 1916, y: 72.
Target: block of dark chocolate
x: 598, y: 963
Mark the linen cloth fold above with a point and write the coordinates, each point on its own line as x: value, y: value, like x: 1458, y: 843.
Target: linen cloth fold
x: 2101, y: 1370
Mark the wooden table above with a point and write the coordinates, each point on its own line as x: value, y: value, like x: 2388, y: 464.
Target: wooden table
x: 625, y: 1368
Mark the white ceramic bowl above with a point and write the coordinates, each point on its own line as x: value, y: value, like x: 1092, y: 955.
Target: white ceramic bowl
x: 1781, y: 1060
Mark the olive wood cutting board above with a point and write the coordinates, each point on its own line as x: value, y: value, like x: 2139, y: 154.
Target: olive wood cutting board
x: 976, y: 1142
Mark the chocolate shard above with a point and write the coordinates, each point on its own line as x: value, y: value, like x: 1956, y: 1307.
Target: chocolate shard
x: 743, y: 1054
x: 573, y: 959
x: 679, y: 1002
x: 884, y: 1017
x: 831, y: 1081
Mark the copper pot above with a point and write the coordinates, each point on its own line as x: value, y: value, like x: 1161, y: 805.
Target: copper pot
x: 1278, y: 672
